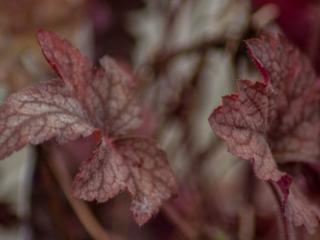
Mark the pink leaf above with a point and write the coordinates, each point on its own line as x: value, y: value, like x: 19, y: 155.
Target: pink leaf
x: 73, y: 68
x: 242, y: 122
x: 102, y: 176
x: 301, y: 211
x: 151, y: 180
x: 293, y: 129
x: 275, y: 121
x: 132, y: 164
x: 83, y: 100
x: 298, y: 20
x: 38, y: 114
x: 105, y: 92
x: 117, y: 107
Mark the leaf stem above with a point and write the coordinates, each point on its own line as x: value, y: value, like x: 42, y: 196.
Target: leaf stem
x: 286, y: 232
x: 83, y: 212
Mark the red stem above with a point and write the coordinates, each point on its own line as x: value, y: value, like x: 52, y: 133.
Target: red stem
x: 287, y: 235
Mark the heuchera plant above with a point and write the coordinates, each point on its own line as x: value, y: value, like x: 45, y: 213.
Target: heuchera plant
x: 87, y: 100
x: 276, y: 121
x: 271, y: 123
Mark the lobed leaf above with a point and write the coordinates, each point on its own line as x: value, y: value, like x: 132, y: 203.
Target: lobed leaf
x: 71, y: 66
x: 82, y: 101
x: 133, y: 164
x: 38, y: 114
x: 105, y: 92
x: 301, y: 210
x: 275, y: 121
x: 294, y: 129
x: 114, y: 98
x: 242, y: 122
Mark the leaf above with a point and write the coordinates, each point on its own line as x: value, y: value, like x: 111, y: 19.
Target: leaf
x: 293, y: 94
x: 301, y: 210
x: 242, y: 122
x: 102, y: 176
x: 87, y: 99
x: 134, y: 164
x: 73, y: 68
x: 300, y: 15
x: 275, y: 121
x: 119, y: 109
x: 38, y: 114
x: 105, y: 92
x: 151, y: 180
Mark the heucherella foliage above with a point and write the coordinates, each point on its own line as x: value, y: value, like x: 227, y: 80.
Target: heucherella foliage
x: 84, y: 100
x: 275, y: 121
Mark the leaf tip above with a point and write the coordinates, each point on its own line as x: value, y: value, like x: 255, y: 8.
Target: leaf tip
x: 43, y: 36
